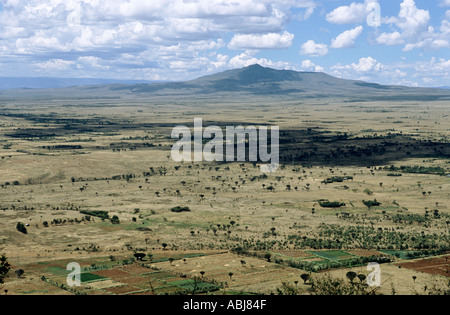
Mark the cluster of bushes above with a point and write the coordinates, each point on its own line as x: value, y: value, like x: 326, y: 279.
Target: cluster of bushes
x: 336, y: 179
x: 437, y: 170
x: 331, y: 204
x: 371, y: 203
x: 416, y: 254
x: 333, y: 236
x: 180, y: 209
x: 332, y: 264
x: 63, y: 147
x: 409, y: 218
x: 104, y: 215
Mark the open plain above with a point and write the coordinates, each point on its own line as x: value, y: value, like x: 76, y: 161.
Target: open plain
x: 360, y: 181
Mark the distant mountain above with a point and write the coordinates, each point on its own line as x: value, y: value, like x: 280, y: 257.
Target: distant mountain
x: 249, y: 82
x: 7, y: 83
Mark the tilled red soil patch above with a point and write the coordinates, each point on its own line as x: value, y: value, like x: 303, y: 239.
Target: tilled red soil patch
x: 434, y: 266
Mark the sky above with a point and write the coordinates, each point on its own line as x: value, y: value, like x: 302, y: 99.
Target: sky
x: 402, y: 42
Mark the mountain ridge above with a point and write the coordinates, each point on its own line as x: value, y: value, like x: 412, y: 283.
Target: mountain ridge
x: 254, y: 80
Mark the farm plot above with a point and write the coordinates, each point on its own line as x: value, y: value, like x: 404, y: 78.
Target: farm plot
x: 334, y: 255
x: 237, y: 273
x: 409, y: 254
x: 133, y: 279
x: 364, y: 253
x: 292, y: 254
x: 434, y: 266
x: 136, y: 279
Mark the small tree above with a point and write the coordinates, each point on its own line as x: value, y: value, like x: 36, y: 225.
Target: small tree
x: 20, y: 273
x: 21, y: 228
x: 5, y: 267
x: 361, y: 277
x: 115, y: 220
x: 305, y: 277
x: 351, y: 276
x: 371, y: 203
x: 139, y: 256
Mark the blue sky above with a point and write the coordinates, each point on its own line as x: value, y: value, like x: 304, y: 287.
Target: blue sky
x: 407, y: 43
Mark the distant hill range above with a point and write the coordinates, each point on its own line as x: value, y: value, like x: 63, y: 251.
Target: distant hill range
x: 249, y: 81
x: 7, y: 83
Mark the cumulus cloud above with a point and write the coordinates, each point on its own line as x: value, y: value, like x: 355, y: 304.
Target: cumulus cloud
x: 311, y: 48
x: 355, y: 13
x: 247, y: 59
x: 367, y: 64
x: 265, y: 41
x: 147, y: 30
x: 435, y: 71
x: 347, y: 38
x: 414, y: 30
x: 412, y: 20
x: 390, y: 39
x: 55, y: 65
x: 308, y: 65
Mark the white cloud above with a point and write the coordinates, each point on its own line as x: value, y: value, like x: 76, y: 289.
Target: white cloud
x: 437, y: 68
x: 246, y: 59
x: 431, y: 43
x: 390, y: 39
x: 354, y: 13
x: 311, y: 48
x: 367, y: 64
x: 445, y: 25
x: 414, y: 30
x: 55, y: 65
x: 91, y: 62
x: 308, y: 65
x: 347, y: 38
x: 150, y: 31
x: 412, y: 20
x: 265, y: 41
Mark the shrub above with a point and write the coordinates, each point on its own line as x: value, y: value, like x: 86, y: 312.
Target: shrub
x: 21, y: 228
x: 115, y: 220
x: 331, y: 204
x: 180, y: 209
x: 371, y: 203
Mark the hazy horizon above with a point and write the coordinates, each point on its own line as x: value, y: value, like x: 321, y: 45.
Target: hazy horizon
x: 401, y: 42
